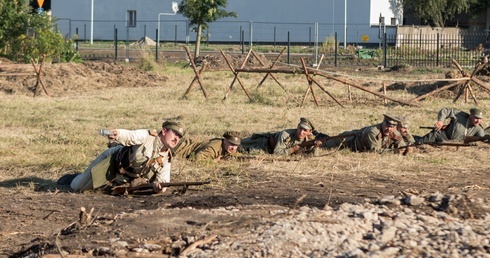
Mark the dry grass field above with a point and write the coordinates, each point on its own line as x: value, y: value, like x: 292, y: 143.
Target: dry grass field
x: 45, y: 137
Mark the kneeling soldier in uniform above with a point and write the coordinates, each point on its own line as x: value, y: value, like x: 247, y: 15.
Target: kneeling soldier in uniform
x: 141, y: 156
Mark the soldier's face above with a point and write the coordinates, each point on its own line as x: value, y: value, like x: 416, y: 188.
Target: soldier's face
x: 302, y: 133
x: 169, y: 138
x: 228, y: 147
x: 402, y: 130
x: 387, y: 128
x: 474, y: 121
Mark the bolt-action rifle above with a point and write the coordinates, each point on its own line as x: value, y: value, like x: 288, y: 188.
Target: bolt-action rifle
x: 444, y: 127
x: 469, y: 139
x: 455, y: 144
x: 323, y: 138
x: 147, y: 188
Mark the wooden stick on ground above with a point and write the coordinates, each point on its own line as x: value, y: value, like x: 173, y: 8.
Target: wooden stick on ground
x: 193, y: 246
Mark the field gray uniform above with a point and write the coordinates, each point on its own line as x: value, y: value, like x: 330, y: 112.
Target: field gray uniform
x: 277, y: 143
x: 456, y: 130
x: 367, y: 139
x: 137, y: 155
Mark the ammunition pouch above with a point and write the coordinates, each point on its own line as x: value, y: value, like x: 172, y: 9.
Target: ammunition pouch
x: 124, y: 166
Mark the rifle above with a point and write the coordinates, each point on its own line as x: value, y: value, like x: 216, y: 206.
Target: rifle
x: 455, y: 144
x: 323, y: 138
x: 485, y: 139
x: 444, y: 127
x: 148, y: 187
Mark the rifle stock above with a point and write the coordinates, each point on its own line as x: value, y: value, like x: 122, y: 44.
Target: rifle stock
x: 455, y: 144
x: 148, y: 187
x: 469, y: 139
x: 323, y: 138
x: 444, y: 127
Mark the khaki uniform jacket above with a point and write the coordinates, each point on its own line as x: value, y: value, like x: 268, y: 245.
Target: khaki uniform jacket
x: 186, y: 148
x: 210, y: 150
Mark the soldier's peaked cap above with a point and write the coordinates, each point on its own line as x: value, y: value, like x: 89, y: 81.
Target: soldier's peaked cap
x: 477, y: 113
x: 305, y: 123
x: 233, y: 137
x: 177, y: 127
x: 391, y: 119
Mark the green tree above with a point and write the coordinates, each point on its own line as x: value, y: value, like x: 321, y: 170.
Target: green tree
x: 437, y: 11
x: 26, y: 35
x: 201, y: 13
x: 479, y: 7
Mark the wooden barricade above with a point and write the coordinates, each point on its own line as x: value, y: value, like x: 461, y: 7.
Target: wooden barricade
x: 13, y: 70
x: 271, y: 71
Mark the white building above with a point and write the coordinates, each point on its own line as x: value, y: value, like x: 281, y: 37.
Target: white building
x: 354, y: 21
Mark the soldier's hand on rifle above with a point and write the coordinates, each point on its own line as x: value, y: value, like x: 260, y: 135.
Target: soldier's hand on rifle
x: 438, y: 126
x: 295, y: 149
x: 318, y: 143
x: 157, y: 188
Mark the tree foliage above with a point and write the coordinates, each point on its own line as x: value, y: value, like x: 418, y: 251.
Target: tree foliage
x: 26, y: 34
x: 202, y: 12
x: 479, y: 7
x: 437, y: 11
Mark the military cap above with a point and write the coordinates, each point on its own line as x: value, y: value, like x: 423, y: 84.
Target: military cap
x: 233, y: 137
x: 477, y: 113
x: 306, y: 124
x: 391, y: 119
x: 403, y: 121
x: 177, y: 127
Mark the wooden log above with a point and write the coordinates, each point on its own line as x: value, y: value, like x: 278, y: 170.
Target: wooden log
x: 363, y: 88
x: 17, y: 74
x: 437, y: 90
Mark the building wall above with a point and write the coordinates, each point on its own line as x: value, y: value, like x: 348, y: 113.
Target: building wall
x: 260, y: 21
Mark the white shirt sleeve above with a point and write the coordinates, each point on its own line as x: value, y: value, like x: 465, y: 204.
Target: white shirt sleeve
x: 128, y: 138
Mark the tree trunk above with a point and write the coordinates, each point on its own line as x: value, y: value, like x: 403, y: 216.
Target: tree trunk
x: 198, y: 40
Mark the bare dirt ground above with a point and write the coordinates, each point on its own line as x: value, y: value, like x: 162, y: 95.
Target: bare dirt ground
x: 47, y: 219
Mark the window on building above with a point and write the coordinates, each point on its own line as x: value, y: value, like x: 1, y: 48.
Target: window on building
x: 393, y: 21
x: 131, y: 18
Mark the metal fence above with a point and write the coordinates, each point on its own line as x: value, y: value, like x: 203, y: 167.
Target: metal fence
x: 418, y: 50
x: 433, y: 50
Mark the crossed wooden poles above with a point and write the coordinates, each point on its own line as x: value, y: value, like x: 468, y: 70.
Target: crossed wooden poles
x: 38, y: 74
x: 271, y: 70
x: 463, y: 82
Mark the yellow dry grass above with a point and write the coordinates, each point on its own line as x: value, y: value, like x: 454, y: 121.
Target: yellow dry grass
x: 47, y: 137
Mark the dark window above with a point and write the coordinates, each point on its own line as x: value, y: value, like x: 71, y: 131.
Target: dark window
x: 131, y: 18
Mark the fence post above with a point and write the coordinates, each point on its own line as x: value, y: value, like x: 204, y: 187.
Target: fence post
x: 127, y: 42
x: 115, y: 44
x: 384, y: 49
x: 437, y: 50
x: 289, y: 49
x: 76, y: 40
x: 336, y: 50
x: 175, y: 41
x: 274, y: 37
x: 243, y: 41
x: 156, y: 48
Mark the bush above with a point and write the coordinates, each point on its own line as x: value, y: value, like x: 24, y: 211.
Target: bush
x: 28, y: 35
